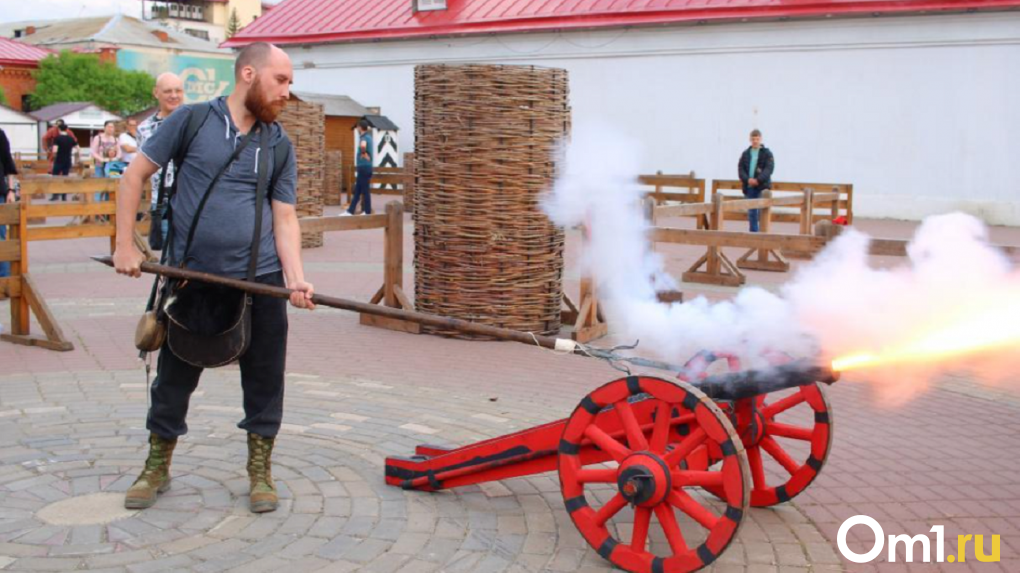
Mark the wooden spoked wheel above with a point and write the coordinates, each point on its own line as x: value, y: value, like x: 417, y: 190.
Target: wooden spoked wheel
x: 787, y: 435
x: 649, y: 439
x: 784, y: 456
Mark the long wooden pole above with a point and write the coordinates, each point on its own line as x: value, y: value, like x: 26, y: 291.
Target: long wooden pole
x: 346, y: 304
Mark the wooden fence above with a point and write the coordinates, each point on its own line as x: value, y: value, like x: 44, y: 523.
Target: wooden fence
x: 843, y: 205
x: 25, y: 297
x: 89, y: 217
x: 391, y: 293
x: 715, y: 267
x: 38, y: 164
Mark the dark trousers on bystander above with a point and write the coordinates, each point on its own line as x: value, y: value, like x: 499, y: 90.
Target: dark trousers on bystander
x: 753, y: 215
x: 62, y: 169
x: 363, y: 190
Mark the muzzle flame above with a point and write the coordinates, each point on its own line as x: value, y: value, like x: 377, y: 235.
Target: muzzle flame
x: 955, y: 337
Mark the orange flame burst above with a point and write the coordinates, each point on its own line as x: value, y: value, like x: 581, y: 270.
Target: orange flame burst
x: 992, y: 329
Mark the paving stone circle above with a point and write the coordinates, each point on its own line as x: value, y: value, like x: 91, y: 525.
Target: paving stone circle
x: 71, y: 444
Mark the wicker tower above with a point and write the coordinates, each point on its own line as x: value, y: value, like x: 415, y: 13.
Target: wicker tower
x: 305, y: 123
x: 485, y: 141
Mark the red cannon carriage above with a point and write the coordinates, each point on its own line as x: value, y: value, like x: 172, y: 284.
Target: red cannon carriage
x: 638, y: 447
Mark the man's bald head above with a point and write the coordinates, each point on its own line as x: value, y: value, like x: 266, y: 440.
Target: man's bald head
x: 255, y: 55
x: 167, y: 79
x: 169, y: 92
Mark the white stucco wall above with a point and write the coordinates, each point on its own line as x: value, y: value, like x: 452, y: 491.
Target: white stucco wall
x: 917, y: 112
x: 22, y: 131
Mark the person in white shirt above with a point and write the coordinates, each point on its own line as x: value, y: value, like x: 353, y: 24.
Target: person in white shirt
x: 169, y: 93
x: 129, y: 141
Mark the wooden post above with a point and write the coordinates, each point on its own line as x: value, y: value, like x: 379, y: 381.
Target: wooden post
x: 658, y: 189
x: 807, y: 215
x: 850, y: 204
x: 763, y: 262
x: 807, y: 212
x: 834, y: 207
x: 715, y: 224
x: 393, y: 253
x: 19, y: 305
x: 719, y: 269
x: 113, y: 219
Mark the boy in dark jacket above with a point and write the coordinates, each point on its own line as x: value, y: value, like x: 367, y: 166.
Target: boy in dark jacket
x: 755, y: 171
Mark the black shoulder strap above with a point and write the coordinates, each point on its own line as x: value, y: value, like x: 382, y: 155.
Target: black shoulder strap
x: 199, y: 113
x: 281, y: 153
x: 260, y: 199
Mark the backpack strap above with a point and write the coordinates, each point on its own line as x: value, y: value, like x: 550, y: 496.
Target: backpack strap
x: 199, y: 113
x: 281, y: 153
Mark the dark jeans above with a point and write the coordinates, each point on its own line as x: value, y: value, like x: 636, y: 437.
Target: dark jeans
x: 60, y: 169
x: 262, y: 367
x: 753, y: 215
x: 362, y: 189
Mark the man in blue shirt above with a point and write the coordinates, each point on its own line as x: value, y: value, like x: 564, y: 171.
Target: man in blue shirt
x: 363, y: 183
x: 755, y: 171
x: 223, y: 245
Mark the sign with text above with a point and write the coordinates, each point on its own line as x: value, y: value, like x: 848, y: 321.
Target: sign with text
x: 204, y: 77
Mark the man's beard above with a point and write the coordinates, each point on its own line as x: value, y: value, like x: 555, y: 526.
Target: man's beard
x: 263, y: 109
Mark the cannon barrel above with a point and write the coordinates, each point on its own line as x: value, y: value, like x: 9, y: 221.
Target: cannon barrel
x: 749, y: 383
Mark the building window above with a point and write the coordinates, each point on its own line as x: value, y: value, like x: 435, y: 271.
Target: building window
x: 429, y: 5
x: 197, y: 33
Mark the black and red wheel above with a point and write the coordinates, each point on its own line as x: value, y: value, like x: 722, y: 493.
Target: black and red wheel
x: 787, y: 438
x: 648, y: 428
x: 787, y: 434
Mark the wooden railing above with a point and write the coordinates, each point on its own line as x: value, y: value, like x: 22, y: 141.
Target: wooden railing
x: 391, y: 293
x: 843, y: 205
x: 25, y: 297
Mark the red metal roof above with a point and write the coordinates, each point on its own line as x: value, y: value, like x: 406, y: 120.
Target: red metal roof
x: 14, y: 53
x: 320, y: 21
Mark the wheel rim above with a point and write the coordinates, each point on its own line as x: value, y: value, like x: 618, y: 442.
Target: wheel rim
x: 643, y: 437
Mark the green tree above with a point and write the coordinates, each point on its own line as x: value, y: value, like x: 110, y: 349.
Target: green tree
x: 233, y: 24
x: 82, y: 77
x: 3, y: 97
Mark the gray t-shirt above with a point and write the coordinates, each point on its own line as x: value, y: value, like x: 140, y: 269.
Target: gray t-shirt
x: 222, y: 243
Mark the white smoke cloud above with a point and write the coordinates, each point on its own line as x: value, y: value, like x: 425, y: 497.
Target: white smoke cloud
x: 836, y: 305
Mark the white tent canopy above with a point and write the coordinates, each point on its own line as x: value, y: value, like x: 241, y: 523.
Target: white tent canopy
x: 22, y: 130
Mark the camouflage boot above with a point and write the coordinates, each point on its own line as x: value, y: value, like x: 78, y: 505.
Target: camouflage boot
x: 260, y: 473
x: 155, y: 477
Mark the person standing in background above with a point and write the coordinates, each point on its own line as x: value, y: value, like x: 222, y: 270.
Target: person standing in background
x: 363, y: 183
x: 63, y: 146
x: 169, y: 93
x: 755, y: 171
x: 100, y: 146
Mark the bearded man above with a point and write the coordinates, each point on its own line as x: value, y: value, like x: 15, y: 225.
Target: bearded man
x: 218, y: 180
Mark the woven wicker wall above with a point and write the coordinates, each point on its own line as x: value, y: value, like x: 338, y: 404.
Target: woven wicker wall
x: 331, y: 193
x: 306, y: 125
x: 484, y: 142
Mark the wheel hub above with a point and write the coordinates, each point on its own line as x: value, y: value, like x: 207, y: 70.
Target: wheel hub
x: 644, y: 480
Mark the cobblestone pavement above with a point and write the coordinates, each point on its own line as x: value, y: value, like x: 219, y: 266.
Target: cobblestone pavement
x: 72, y: 439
